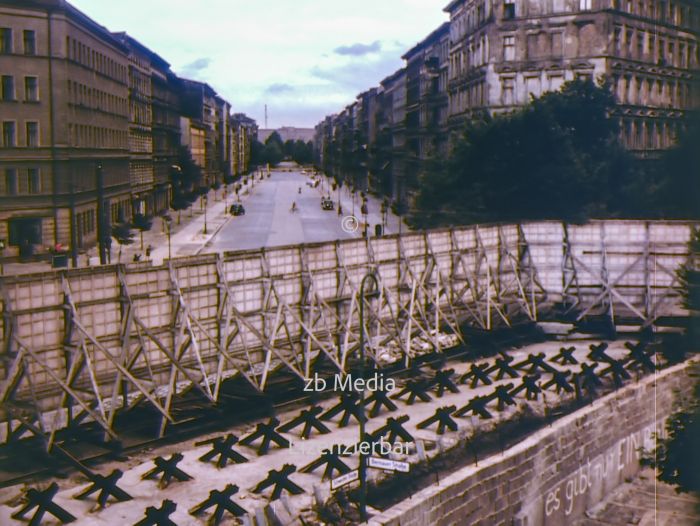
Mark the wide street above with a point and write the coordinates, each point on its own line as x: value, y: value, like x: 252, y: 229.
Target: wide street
x: 269, y: 221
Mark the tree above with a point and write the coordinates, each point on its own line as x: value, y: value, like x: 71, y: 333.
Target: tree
x: 275, y: 138
x: 678, y: 173
x: 257, y: 153
x: 288, y: 148
x: 142, y: 223
x: 677, y: 456
x: 123, y: 235
x: 273, y: 153
x: 557, y: 158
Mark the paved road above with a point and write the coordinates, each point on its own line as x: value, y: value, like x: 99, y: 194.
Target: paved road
x: 269, y: 222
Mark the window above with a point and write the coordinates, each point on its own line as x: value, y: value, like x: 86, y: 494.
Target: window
x: 585, y: 4
x: 507, y: 96
x: 11, y: 181
x: 557, y: 44
x: 5, y: 40
x: 509, y: 48
x: 8, y: 88
x: 33, y: 181
x: 9, y: 139
x: 508, y: 10
x: 617, y: 36
x: 29, y: 43
x: 31, y: 89
x: 640, y: 45
x: 32, y: 134
x: 556, y: 82
x: 532, y: 50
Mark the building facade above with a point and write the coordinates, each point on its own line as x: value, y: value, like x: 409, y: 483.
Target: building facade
x: 64, y: 155
x: 92, y: 124
x: 503, y: 53
x: 426, y: 104
x: 493, y: 56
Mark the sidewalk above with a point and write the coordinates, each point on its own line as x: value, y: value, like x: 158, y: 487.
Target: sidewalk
x: 374, y: 204
x: 187, y: 238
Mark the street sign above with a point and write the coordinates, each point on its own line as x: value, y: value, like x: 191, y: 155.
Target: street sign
x: 388, y: 465
x: 347, y: 478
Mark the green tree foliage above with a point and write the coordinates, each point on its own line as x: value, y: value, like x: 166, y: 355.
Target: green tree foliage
x: 123, y: 235
x: 257, y: 153
x: 557, y: 158
x: 142, y: 223
x: 288, y: 149
x: 273, y: 153
x: 677, y: 176
x: 302, y: 152
x: 677, y: 455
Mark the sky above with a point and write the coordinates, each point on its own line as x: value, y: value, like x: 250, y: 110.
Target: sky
x: 305, y: 59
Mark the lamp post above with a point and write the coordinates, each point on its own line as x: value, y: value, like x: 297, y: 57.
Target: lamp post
x: 363, y: 461
x: 166, y: 226
x: 205, y: 214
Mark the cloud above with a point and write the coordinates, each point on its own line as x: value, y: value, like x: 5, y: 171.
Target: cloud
x: 358, y: 75
x: 279, y: 88
x: 357, y: 50
x: 196, y: 66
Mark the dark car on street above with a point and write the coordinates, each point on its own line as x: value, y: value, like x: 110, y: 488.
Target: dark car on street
x: 327, y: 204
x: 236, y: 209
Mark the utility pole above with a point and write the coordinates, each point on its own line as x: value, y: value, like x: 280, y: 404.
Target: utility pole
x: 266, y: 116
x: 73, y: 224
x: 361, y: 403
x: 101, y: 222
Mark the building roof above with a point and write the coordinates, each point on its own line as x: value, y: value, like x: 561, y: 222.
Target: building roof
x: 454, y: 3
x: 430, y: 39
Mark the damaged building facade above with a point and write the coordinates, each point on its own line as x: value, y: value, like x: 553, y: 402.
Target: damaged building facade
x: 493, y: 56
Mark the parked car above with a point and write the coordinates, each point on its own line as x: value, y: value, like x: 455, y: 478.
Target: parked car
x: 327, y: 204
x: 236, y: 209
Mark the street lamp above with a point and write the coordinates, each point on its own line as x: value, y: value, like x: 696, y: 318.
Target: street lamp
x: 363, y: 461
x: 166, y: 227
x: 204, y: 198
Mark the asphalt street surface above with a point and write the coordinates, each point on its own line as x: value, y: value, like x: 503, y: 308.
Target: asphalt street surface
x: 268, y: 220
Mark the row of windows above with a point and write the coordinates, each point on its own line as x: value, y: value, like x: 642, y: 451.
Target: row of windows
x: 648, y: 135
x: 558, y: 6
x: 9, y: 134
x: 21, y: 182
x: 118, y: 211
x: 83, y: 95
x: 659, y: 48
x: 653, y: 92
x: 7, y: 43
x: 532, y: 86
x: 86, y: 136
x: 140, y: 142
x: 473, y: 96
x: 8, y: 90
x: 468, y: 20
x: 140, y: 113
x: 474, y: 55
x: 140, y: 172
x: 86, y: 222
x: 663, y: 11
x: 88, y: 57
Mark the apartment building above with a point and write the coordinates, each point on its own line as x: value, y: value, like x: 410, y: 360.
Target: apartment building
x: 64, y: 154
x: 165, y: 103
x: 426, y: 103
x: 504, y: 52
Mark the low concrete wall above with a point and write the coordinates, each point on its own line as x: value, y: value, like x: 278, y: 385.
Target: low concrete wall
x: 553, y: 476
